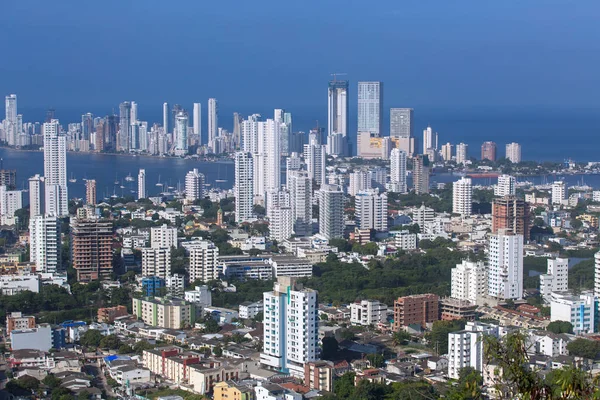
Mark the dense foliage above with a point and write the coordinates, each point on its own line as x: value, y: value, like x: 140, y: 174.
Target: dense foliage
x: 344, y: 388
x: 584, y: 348
x: 560, y: 327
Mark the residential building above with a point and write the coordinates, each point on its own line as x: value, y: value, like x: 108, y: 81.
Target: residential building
x: 91, y: 248
x: 462, y: 153
x: 404, y: 240
x: 371, y: 210
x: 45, y: 244
x: 201, y: 295
x: 368, y: 312
x: 55, y: 170
x: 420, y: 174
x: 244, y: 187
x: 18, y: 321
x: 231, y: 391
x: 337, y: 117
x: 142, y: 193
x: 267, y: 159
x: 580, y: 310
x: 273, y: 391
x: 398, y: 171
x: 153, y: 286
x: 488, y: 151
x: 556, y: 279
x: 109, y: 314
x: 510, y: 212
x: 401, y: 122
x: 597, y: 274
x: 370, y: 107
x: 171, y: 313
x: 194, y: 185
x: 316, y: 161
x: 156, y: 262
x: 331, y: 212
x: 447, y: 152
x: 180, y: 134
x: 559, y: 192
x: 10, y: 202
x: 513, y: 152
x: 423, y: 216
x: 300, y: 186
x: 462, y: 197
x: 466, y: 347
x: 250, y: 309
x: 203, y: 261
x: 290, y: 266
x: 163, y: 237
x: 11, y: 284
x: 197, y: 120
x: 420, y: 309
x: 428, y: 140
x: 123, y: 140
x: 213, y: 122
x: 505, y: 260
x: 469, y: 281
x: 359, y: 181
x: 318, y: 375
x: 36, y: 184
x: 281, y: 223
x: 90, y: 192
x: 175, y: 285
x: 506, y: 186
x: 39, y: 338
x: 290, y: 327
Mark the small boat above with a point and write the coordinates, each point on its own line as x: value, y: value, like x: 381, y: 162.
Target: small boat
x: 122, y: 187
x: 72, y: 179
x: 116, y: 180
x: 158, y: 183
x: 220, y: 180
x: 129, y: 178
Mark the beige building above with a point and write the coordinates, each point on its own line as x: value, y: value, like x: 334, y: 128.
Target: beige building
x: 172, y: 313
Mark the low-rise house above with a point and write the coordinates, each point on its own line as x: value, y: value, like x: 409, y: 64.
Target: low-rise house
x: 272, y: 391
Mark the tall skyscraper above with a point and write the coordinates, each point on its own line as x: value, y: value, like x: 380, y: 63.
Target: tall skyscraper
x: 331, y: 211
x: 87, y: 126
x: 510, y: 212
x: 338, y: 115
x: 316, y: 160
x: 462, y: 153
x: 213, y: 122
x: 559, y: 192
x: 237, y: 130
x: 370, y: 107
x: 291, y: 327
x: 91, y: 248
x: 10, y: 126
x: 55, y: 170
x: 90, y: 192
x: 401, y: 122
x: 398, y: 171
x: 35, y: 196
x: 249, y: 134
x: 203, y: 261
x: 420, y: 174
x: 488, y: 151
x: 506, y: 186
x: 371, y: 210
x: 142, y: 194
x: 462, y: 197
x: 198, y: 121
x: 505, y: 271
x: 134, y: 112
x: 194, y: 185
x: 267, y: 159
x: 124, y: 126
x: 166, y: 117
x: 428, y: 139
x: 181, y: 134
x: 300, y: 187
x: 244, y: 186
x: 513, y: 152
x: 44, y: 243
x: 156, y: 261
x: 447, y: 151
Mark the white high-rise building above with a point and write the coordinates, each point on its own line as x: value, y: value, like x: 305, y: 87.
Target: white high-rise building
x: 291, y: 327
x: 513, y: 152
x: 180, y: 134
x: 370, y: 107
x: 465, y: 348
x: 469, y: 281
x: 359, y: 181
x: 506, y: 186
x: 194, y: 185
x: 398, y: 171
x: 35, y: 196
x: 198, y: 121
x: 300, y: 187
x: 243, y: 188
x: 293, y: 162
x: 462, y: 197
x: 281, y: 223
x: 580, y: 310
x: 337, y: 117
x: 368, y: 312
x: 249, y: 134
x: 166, y: 118
x: 163, y: 237
x: 134, y: 112
x: 213, y: 122
x: 156, y: 262
x: 44, y: 243
x: 142, y: 194
x: 505, y: 271
x: 371, y: 210
x: 556, y: 278
x: 401, y: 122
x: 267, y: 160
x: 427, y: 139
x: 55, y: 170
x: 316, y: 162
x: 559, y: 192
x: 204, y: 261
x: 10, y: 202
x: 331, y: 212
x: 597, y: 274
x: 462, y: 153
x: 10, y: 122
x: 447, y: 151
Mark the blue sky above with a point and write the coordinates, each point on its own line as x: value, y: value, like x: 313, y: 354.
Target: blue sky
x: 279, y: 54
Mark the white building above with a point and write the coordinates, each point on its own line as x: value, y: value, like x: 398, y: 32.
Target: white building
x: 465, y: 348
x: 580, y: 310
x: 273, y: 391
x: 290, y: 327
x: 281, y: 223
x: 213, y: 123
x: 597, y: 274
x: 371, y: 210
x: 556, y: 279
x: 200, y: 295
x: 267, y: 159
x: 423, y: 216
x: 244, y: 187
x: 197, y: 117
x: 13, y: 284
x: 180, y: 134
x: 203, y: 261
x: 300, y: 187
x: 156, y: 262
x: 44, y: 243
x: 428, y: 140
x: 359, y: 181
x: 469, y: 281
x: 368, y: 312
x: 462, y: 153
x: 404, y: 240
x: 142, y: 194
x: 331, y: 212
x: 548, y: 343
x: 35, y: 196
x: 11, y: 130
x: 559, y: 192
x: 175, y: 285
x: 398, y: 171
x: 462, y: 197
x: 505, y: 272
x: 513, y: 152
x: 55, y: 170
x: 194, y: 185
x: 506, y: 186
x: 290, y: 266
x: 39, y: 338
x: 315, y: 159
x: 370, y: 107
x: 10, y: 201
x: 163, y: 237
x: 250, y: 309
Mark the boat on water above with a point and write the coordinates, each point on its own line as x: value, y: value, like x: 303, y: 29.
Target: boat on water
x: 220, y: 180
x: 158, y: 183
x: 122, y: 187
x: 129, y: 178
x: 72, y: 179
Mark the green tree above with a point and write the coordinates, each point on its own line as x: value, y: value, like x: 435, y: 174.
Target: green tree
x: 560, y: 327
x: 111, y: 342
x: 468, y: 386
x: 584, y: 348
x: 376, y: 360
x: 344, y: 386
x: 51, y: 381
x: 438, y: 336
x: 400, y: 337
x: 91, y: 338
x: 218, y: 351
x: 142, y: 345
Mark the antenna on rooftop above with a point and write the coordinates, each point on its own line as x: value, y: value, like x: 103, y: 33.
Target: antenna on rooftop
x: 336, y: 74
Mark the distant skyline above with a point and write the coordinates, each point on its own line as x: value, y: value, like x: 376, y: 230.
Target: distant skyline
x: 436, y: 54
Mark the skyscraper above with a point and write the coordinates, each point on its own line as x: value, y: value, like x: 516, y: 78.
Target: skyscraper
x: 249, y: 134
x: 447, y: 151
x: 55, y: 170
x: 237, y: 130
x: 213, y: 122
x: 513, y: 152
x: 180, y: 133
x: 371, y: 210
x: 506, y: 186
x: 428, y: 139
x: 194, y: 185
x: 244, y: 186
x: 488, y: 151
x: 398, y: 171
x: 10, y: 126
x: 290, y: 326
x: 300, y: 187
x: 141, y: 194
x: 421, y: 174
x: 91, y: 248
x: 331, y: 212
x: 267, y: 159
x: 337, y: 117
x: 510, y: 212
x: 462, y: 197
x: 45, y: 247
x: 370, y: 107
x: 462, y: 153
x: 198, y: 121
x: 90, y: 192
x: 166, y: 117
x: 87, y: 126
x: 134, y: 112
x: 35, y: 196
x: 401, y: 122
x: 315, y: 159
x: 505, y: 271
x: 559, y: 192
x: 124, y: 126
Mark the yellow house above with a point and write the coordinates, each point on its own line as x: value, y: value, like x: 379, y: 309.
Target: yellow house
x: 230, y: 391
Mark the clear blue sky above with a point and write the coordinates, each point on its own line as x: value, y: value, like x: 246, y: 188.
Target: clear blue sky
x: 280, y: 53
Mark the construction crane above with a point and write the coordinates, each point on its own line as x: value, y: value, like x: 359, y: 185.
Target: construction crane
x: 336, y: 74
